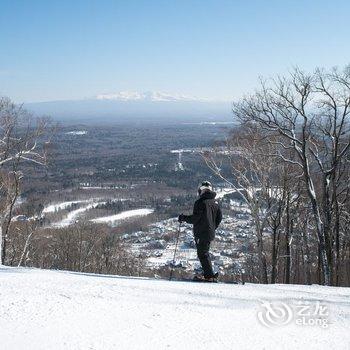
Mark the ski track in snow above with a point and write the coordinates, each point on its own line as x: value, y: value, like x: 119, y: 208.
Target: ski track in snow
x: 113, y: 219
x: 61, y: 206
x: 73, y: 215
x: 42, y: 309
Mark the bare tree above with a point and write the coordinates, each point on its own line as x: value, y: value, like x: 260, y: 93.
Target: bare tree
x: 31, y: 227
x: 309, y: 113
x: 252, y: 175
x: 21, y: 141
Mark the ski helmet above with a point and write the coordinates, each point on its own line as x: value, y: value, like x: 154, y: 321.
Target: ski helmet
x: 205, y: 185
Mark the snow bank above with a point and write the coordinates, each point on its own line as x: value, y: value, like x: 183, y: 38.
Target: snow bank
x: 113, y: 219
x: 57, y: 310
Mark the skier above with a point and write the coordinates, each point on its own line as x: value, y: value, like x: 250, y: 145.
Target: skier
x: 206, y: 218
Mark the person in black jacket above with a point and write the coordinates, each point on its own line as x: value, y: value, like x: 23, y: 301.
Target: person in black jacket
x: 206, y: 218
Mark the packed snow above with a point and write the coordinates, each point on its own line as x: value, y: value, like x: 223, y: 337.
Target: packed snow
x: 42, y: 309
x: 114, y: 219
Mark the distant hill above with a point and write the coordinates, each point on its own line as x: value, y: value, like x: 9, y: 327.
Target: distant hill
x: 126, y: 107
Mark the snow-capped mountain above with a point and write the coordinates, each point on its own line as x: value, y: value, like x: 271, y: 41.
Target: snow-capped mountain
x: 148, y: 96
x: 128, y: 106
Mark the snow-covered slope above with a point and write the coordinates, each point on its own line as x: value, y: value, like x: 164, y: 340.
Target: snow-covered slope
x: 53, y: 310
x: 124, y: 215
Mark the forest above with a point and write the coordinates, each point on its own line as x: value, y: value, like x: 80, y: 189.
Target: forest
x: 286, y: 158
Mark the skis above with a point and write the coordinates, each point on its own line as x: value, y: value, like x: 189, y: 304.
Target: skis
x: 195, y: 279
x: 201, y: 280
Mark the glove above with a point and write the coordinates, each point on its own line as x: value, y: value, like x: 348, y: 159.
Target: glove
x: 181, y: 218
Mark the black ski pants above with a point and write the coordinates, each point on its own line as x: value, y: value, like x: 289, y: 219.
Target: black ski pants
x: 204, y: 257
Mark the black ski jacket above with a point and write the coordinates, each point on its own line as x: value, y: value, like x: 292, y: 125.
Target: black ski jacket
x: 206, y: 217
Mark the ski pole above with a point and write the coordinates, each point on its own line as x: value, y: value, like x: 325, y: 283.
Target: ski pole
x: 177, y: 240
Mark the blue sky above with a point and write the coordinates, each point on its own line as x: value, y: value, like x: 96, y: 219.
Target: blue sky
x: 58, y: 49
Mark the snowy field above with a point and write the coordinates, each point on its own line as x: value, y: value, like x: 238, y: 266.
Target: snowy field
x: 53, y: 310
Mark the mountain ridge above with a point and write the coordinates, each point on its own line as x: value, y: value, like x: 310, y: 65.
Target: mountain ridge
x: 133, y: 106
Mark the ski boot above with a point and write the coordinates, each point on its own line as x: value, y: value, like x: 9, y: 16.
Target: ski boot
x: 201, y: 278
